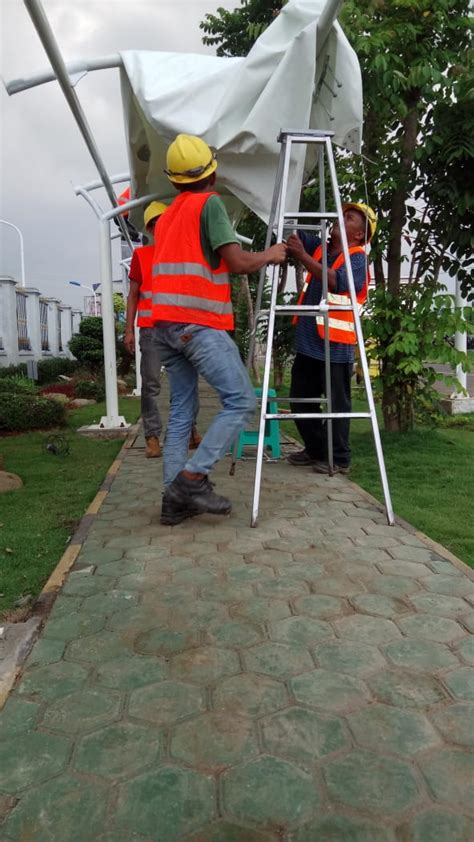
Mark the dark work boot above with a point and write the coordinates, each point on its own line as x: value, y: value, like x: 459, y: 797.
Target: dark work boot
x: 196, y: 494
x: 173, y: 513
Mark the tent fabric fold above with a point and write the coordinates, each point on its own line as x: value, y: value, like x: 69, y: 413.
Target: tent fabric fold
x: 289, y: 80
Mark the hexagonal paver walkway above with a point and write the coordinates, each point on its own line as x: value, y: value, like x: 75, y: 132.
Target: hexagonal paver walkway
x: 311, y: 680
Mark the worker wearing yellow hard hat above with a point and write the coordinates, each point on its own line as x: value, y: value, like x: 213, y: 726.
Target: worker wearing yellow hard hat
x: 139, y: 304
x: 189, y: 159
x: 152, y: 212
x: 196, y: 250
x: 369, y: 215
x: 308, y: 378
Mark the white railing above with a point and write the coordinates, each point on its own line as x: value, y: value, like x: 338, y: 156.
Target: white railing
x: 33, y: 326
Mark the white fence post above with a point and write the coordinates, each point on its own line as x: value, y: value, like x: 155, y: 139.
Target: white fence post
x: 33, y: 316
x: 66, y: 332
x: 53, y: 326
x: 8, y: 332
x: 76, y: 321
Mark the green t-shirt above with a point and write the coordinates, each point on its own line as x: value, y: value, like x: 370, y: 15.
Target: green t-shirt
x: 216, y: 229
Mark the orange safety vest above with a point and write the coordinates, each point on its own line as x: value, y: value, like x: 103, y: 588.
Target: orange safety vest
x: 123, y: 199
x: 340, y: 322
x: 185, y: 287
x: 144, y: 255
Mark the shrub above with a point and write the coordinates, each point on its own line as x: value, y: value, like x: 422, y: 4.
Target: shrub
x: 13, y: 371
x: 91, y: 326
x: 17, y: 385
x: 50, y: 369
x: 87, y: 350
x: 19, y: 413
x: 90, y: 389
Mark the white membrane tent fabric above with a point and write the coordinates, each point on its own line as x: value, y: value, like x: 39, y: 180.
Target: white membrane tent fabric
x: 300, y: 74
x: 296, y: 76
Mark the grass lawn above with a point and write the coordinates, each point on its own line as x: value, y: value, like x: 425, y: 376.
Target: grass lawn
x: 37, y: 521
x: 430, y: 474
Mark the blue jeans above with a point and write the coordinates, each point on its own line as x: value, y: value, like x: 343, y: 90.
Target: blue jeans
x: 150, y: 366
x: 187, y: 351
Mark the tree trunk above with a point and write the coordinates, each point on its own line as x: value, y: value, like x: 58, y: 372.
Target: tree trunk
x: 397, y: 409
x: 399, y: 198
x: 278, y: 371
x: 245, y: 292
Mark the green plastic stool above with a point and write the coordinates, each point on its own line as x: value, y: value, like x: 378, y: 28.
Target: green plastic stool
x: 271, y: 439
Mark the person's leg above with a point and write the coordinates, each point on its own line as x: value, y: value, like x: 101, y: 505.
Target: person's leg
x: 182, y: 379
x: 150, y: 366
x: 215, y: 356
x: 306, y: 382
x: 195, y: 439
x: 341, y: 401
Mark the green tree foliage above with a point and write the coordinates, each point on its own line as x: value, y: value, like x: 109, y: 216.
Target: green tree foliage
x: 416, y: 63
x: 234, y: 33
x: 416, y: 67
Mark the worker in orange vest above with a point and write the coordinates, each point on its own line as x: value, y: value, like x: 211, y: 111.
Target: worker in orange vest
x: 139, y: 302
x: 196, y: 249
x: 308, y: 372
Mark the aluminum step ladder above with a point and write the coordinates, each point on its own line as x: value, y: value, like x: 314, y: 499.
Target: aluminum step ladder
x: 281, y: 219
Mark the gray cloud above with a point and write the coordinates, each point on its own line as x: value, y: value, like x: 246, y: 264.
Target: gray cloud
x: 42, y: 154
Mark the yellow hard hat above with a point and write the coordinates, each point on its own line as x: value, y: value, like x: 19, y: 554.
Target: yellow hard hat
x: 153, y: 210
x: 369, y: 214
x: 189, y: 159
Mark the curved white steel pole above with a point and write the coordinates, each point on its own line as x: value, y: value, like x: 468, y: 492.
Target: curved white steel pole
x: 112, y: 419
x: 74, y: 68
x: 22, y: 250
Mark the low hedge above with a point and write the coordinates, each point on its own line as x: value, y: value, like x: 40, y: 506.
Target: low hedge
x: 19, y: 413
x: 13, y: 371
x: 50, y: 369
x: 17, y: 385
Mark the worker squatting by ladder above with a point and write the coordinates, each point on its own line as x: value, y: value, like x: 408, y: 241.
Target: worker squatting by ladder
x: 280, y: 220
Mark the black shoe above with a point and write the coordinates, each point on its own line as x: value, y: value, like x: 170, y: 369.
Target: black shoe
x: 301, y: 458
x: 196, y: 495
x: 323, y: 468
x: 173, y: 513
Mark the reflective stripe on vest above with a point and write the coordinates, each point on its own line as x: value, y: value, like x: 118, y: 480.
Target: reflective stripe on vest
x: 341, y: 324
x: 196, y: 269
x: 144, y: 307
x: 192, y: 302
x: 144, y: 255
x: 185, y: 287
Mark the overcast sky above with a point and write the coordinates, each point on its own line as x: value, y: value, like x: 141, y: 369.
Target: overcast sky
x: 42, y: 154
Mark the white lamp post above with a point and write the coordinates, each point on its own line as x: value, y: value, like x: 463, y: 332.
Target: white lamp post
x: 84, y: 286
x: 22, y: 251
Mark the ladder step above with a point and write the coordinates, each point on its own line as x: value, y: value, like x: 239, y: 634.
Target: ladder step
x: 308, y: 310
x: 311, y: 215
x: 306, y: 136
x: 291, y: 416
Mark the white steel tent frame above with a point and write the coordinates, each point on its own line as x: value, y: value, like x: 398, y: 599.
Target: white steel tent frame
x: 319, y: 19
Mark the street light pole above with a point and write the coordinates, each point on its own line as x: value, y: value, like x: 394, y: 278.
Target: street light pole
x: 22, y: 251
x: 84, y: 286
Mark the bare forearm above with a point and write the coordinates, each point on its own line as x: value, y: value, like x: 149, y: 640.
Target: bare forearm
x: 132, y: 306
x: 244, y: 262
